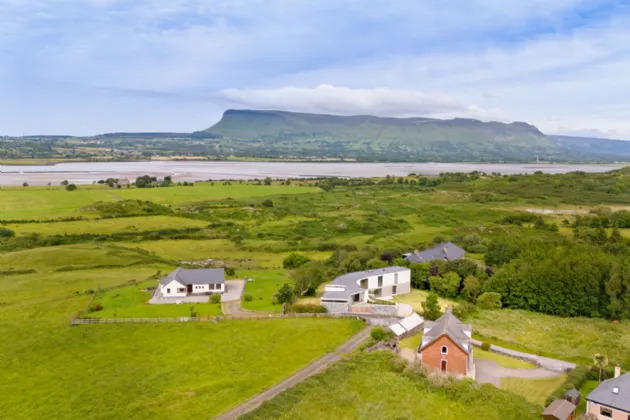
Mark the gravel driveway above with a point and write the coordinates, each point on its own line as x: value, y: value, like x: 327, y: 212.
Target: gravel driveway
x: 234, y: 290
x: 488, y: 371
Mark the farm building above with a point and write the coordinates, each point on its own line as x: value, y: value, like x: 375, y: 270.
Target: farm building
x: 182, y: 282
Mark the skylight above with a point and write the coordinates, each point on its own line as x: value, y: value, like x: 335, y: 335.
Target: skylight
x: 615, y: 390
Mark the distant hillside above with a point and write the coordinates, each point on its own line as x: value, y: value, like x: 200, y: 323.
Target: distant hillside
x: 594, y: 146
x: 280, y: 133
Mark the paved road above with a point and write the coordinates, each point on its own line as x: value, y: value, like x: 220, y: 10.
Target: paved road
x: 555, y: 365
x: 310, y: 370
x: 234, y: 290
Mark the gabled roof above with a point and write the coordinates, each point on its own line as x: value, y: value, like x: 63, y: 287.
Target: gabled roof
x: 449, y: 326
x: 605, y: 393
x: 350, y: 281
x: 196, y: 276
x: 443, y: 251
x: 560, y: 409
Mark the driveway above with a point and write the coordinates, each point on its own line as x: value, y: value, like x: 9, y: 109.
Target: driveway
x: 488, y: 371
x: 158, y: 299
x: 234, y: 290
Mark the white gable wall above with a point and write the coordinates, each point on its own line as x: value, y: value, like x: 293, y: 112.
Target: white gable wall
x: 173, y: 289
x: 389, y: 279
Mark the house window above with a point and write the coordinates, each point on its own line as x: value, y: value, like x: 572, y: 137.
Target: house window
x: 380, y: 281
x: 394, y: 290
x: 606, y: 412
x: 444, y: 350
x: 181, y: 290
x: 211, y: 286
x: 168, y: 291
x: 364, y: 283
x: 396, y: 278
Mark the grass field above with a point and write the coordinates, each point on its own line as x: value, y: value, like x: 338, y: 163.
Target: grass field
x: 372, y: 386
x: 573, y: 339
x: 416, y: 297
x: 412, y: 342
x: 504, y: 361
x: 105, y: 226
x: 131, y: 302
x: 534, y: 390
x: 266, y: 283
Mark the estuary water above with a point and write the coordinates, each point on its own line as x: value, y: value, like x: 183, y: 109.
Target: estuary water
x: 89, y: 172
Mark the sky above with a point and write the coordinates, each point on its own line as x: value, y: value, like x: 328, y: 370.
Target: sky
x: 83, y: 67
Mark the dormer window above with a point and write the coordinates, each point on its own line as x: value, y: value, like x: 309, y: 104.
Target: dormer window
x: 444, y: 350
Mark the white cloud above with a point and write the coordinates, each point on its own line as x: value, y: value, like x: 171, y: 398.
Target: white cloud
x: 345, y: 101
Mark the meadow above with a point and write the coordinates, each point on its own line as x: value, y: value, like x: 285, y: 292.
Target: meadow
x: 51, y: 270
x: 377, y: 386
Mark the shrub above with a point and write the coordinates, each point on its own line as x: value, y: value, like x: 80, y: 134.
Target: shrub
x: 478, y: 249
x: 71, y: 187
x: 380, y: 334
x: 215, y: 298
x: 267, y: 203
x: 284, y: 294
x: 307, y: 308
x: 489, y: 300
x: 6, y: 233
x: 229, y: 271
x: 96, y: 308
x: 464, y: 310
x: 248, y: 298
x: 485, y: 346
x: 295, y: 260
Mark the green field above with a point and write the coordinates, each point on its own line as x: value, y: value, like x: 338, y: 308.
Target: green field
x: 534, y: 390
x: 573, y: 339
x: 416, y: 297
x: 106, y: 226
x: 265, y: 285
x: 374, y: 386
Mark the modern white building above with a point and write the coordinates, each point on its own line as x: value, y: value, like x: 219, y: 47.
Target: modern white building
x: 200, y: 281
x: 360, y: 286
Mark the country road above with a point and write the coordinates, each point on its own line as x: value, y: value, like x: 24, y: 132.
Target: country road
x: 306, y: 372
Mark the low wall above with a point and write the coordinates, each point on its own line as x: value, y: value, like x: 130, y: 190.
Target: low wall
x: 335, y: 307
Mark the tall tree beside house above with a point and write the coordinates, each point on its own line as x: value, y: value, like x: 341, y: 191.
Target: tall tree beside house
x: 600, y: 361
x: 472, y: 288
x: 284, y: 294
x: 431, y: 307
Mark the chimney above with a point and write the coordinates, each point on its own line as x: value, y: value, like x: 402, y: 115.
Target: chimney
x: 617, y: 371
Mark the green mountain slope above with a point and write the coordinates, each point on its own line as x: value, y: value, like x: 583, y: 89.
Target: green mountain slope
x: 362, y: 137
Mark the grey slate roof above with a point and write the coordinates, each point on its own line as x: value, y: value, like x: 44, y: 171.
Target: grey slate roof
x: 560, y: 409
x: 604, y: 394
x: 350, y: 281
x: 443, y: 251
x: 196, y: 276
x: 450, y: 326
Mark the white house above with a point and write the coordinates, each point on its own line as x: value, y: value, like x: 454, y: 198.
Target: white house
x: 200, y: 281
x: 360, y: 286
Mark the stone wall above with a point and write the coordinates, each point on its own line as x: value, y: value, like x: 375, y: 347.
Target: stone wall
x: 336, y: 307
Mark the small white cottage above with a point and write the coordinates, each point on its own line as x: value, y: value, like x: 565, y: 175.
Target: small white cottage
x: 182, y: 282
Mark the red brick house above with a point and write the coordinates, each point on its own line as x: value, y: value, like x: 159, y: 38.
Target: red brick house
x: 446, y: 346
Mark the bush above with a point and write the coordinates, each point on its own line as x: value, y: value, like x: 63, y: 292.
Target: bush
x: 478, y: 249
x: 285, y: 294
x: 248, y: 298
x: 229, y: 271
x: 489, y: 300
x: 71, y: 187
x: 485, y: 346
x: 307, y: 308
x: 295, y: 260
x: 380, y: 334
x: 464, y: 310
x: 215, y: 298
x: 96, y: 308
x: 267, y: 203
x: 6, y: 233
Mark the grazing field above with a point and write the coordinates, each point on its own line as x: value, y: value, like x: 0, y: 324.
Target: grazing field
x: 534, y: 390
x: 374, y: 386
x: 572, y: 339
x: 504, y: 361
x: 106, y: 226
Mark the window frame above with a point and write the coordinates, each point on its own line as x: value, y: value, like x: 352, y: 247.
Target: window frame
x: 606, y: 412
x: 442, y: 350
x: 380, y: 281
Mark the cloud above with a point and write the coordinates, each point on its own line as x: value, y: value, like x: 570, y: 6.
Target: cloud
x: 346, y: 101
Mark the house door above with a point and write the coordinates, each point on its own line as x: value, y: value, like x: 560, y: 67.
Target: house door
x: 190, y: 288
x: 444, y: 367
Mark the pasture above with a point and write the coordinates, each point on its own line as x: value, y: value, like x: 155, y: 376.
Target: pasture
x: 534, y: 390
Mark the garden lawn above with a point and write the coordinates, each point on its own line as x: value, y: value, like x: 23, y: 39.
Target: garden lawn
x: 266, y: 283
x: 416, y: 297
x: 572, y: 339
x: 106, y: 226
x: 131, y: 302
x: 504, y: 361
x: 534, y: 390
x: 372, y: 386
x: 412, y: 342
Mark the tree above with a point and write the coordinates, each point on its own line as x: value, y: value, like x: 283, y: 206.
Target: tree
x: 284, y: 294
x: 168, y: 181
x: 489, y: 300
x: 431, y: 307
x: 615, y: 236
x: 268, y: 181
x: 71, y: 187
x: 308, y: 278
x: 600, y: 361
x: 267, y: 203
x: 295, y: 260
x: 420, y: 275
x: 25, y: 184
x: 144, y: 181
x: 472, y: 288
x: 6, y: 233
x: 447, y: 285
x: 65, y: 182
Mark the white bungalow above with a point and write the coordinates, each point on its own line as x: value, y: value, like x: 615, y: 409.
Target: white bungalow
x: 200, y: 281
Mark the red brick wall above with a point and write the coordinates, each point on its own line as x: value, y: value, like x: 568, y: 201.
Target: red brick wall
x: 456, y: 357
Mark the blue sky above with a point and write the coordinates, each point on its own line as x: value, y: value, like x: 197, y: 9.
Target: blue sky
x: 91, y: 66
